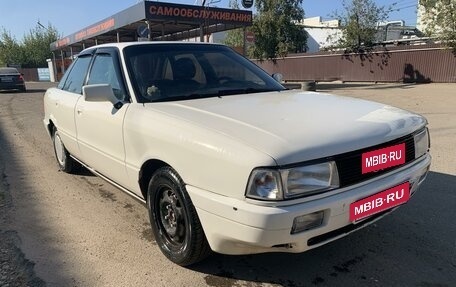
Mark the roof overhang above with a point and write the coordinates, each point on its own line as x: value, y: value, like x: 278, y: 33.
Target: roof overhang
x: 166, y: 21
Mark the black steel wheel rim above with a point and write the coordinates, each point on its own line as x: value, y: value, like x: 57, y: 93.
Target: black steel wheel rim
x: 171, y: 217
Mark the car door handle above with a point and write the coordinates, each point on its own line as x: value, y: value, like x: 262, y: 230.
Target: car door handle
x: 79, y: 110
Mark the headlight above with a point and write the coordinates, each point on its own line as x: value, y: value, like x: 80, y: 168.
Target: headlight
x: 265, y: 184
x: 310, y: 179
x: 422, y: 143
x: 269, y: 184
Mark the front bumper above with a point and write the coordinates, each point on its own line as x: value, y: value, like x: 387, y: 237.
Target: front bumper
x: 234, y: 226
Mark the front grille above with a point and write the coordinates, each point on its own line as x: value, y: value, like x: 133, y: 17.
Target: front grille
x: 349, y: 165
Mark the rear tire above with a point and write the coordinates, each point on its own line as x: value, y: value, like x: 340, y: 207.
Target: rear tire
x: 65, y: 161
x: 175, y: 223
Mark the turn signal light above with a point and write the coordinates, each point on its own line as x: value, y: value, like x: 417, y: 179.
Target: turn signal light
x: 308, y: 221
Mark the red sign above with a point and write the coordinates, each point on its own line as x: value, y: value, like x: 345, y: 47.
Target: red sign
x: 95, y: 29
x: 383, y: 158
x: 380, y: 202
x: 178, y: 12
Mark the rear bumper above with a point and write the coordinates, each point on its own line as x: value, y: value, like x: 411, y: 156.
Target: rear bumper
x: 12, y: 86
x: 234, y: 226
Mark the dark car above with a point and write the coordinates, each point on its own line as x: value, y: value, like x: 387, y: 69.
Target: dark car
x: 11, y: 79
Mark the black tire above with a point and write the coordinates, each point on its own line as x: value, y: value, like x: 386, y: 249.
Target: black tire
x: 65, y: 161
x: 175, y: 223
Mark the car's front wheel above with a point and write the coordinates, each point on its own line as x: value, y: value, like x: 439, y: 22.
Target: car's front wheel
x: 65, y: 161
x: 175, y: 223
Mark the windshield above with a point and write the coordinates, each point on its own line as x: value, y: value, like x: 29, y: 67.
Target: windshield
x: 170, y: 72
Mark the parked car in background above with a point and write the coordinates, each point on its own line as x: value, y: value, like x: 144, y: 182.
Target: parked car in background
x: 225, y: 158
x: 11, y: 79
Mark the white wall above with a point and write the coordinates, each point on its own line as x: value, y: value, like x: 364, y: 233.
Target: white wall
x: 320, y: 38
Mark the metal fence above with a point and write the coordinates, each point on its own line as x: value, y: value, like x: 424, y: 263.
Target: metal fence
x: 420, y: 64
x: 30, y: 74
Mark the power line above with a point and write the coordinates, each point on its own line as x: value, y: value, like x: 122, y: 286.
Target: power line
x: 394, y: 6
x: 402, y: 2
x: 405, y: 7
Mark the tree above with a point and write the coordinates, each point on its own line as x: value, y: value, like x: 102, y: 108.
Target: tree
x: 276, y: 33
x: 11, y: 51
x: 234, y: 38
x: 37, y: 45
x: 359, y: 21
x: 32, y: 51
x: 440, y: 20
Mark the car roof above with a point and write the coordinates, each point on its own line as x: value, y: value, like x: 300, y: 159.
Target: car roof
x: 122, y: 45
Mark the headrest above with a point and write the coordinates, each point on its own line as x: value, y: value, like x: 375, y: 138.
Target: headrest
x: 184, y: 69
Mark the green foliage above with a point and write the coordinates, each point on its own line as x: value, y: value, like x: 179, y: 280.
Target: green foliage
x: 32, y: 52
x: 11, y: 52
x: 234, y: 38
x: 37, y: 45
x: 440, y: 20
x: 359, y: 20
x: 276, y: 33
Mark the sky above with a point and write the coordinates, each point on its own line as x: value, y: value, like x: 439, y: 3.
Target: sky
x: 18, y: 17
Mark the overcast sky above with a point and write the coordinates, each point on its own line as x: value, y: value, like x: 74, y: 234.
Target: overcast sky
x: 18, y: 17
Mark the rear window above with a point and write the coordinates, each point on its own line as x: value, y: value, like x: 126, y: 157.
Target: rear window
x: 4, y: 71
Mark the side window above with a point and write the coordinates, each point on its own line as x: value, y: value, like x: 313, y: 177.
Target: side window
x: 65, y: 76
x: 104, y: 72
x: 76, y: 75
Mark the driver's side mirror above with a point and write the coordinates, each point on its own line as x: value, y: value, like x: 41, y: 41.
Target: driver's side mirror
x: 101, y: 93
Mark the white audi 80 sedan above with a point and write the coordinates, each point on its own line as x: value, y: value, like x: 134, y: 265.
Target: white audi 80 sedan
x: 225, y: 158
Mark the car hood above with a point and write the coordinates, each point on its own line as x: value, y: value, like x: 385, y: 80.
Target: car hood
x: 295, y: 126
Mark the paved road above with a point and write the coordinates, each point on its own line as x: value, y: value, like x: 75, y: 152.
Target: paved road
x: 80, y: 231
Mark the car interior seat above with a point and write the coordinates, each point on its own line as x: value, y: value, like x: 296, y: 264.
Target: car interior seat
x: 184, y: 71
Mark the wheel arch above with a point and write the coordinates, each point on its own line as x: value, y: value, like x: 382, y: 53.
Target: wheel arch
x: 148, y: 168
x: 50, y: 127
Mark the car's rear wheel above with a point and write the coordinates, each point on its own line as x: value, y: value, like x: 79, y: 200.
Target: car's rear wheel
x: 175, y: 223
x: 65, y: 161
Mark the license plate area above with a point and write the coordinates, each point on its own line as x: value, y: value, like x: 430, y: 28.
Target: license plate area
x: 379, y: 202
x: 7, y: 79
x: 379, y: 159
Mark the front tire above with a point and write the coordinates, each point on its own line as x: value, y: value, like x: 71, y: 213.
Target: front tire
x: 65, y: 161
x: 175, y: 223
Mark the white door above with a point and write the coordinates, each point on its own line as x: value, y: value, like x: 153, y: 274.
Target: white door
x: 64, y: 100
x: 100, y: 124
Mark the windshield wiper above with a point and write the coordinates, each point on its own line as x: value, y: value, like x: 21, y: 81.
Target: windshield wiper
x: 218, y: 93
x: 185, y: 97
x: 228, y: 92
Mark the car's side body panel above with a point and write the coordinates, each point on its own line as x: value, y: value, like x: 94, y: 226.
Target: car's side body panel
x: 60, y: 106
x: 100, y: 137
x: 210, y: 160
